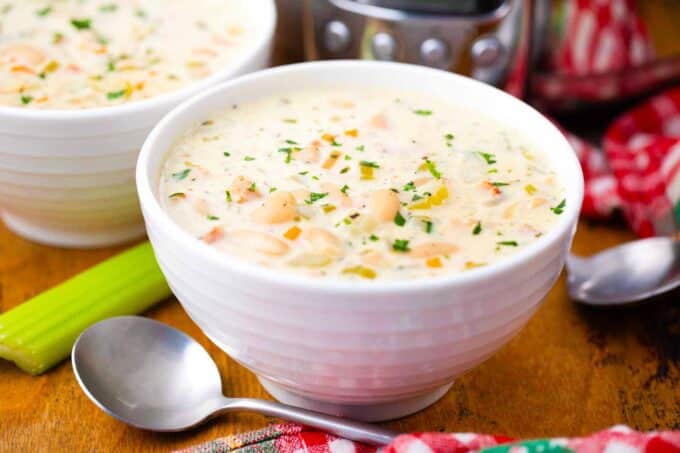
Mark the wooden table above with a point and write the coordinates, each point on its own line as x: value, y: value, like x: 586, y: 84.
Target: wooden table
x: 570, y: 371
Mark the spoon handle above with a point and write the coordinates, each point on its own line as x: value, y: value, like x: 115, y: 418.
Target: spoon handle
x: 357, y: 431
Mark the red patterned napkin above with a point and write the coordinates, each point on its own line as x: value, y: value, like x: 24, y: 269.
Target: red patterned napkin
x: 291, y: 438
x: 638, y: 169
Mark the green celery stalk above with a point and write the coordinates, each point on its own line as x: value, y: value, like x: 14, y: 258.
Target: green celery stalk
x: 39, y: 333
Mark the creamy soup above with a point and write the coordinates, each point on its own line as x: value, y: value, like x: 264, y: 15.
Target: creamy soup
x: 360, y: 185
x: 68, y: 54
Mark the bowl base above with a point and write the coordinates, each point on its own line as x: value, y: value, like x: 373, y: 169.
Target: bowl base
x: 71, y: 237
x: 364, y: 412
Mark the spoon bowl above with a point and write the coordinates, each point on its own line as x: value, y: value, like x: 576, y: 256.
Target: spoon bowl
x: 154, y: 377
x: 629, y: 273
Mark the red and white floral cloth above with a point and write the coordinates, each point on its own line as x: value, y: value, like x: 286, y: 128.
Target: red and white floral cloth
x: 638, y: 169
x: 291, y: 438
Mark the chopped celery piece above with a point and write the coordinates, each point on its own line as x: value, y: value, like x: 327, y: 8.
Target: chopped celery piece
x: 39, y: 333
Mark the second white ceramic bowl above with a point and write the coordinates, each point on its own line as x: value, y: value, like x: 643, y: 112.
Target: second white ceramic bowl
x: 67, y: 177
x: 368, y: 350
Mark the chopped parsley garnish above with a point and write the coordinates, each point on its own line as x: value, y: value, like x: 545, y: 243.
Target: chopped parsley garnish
x: 477, y: 229
x: 344, y: 189
x: 111, y: 66
x: 429, y: 226
x: 416, y: 197
x: 291, y: 142
x: 493, y: 170
x: 508, y: 243
x: 369, y: 164
x: 423, y: 112
x: 177, y: 195
x: 500, y: 184
x: 101, y: 39
x: 249, y: 158
x: 449, y: 137
x: 252, y: 188
x: 400, y: 245
x: 360, y: 148
x: 108, y: 8
x: 180, y: 175
x: 399, y: 219
x: 111, y: 95
x: 344, y: 170
x: 272, y: 189
x: 81, y: 24
x: 57, y: 37
x: 212, y: 217
x: 559, y: 209
x: 373, y: 238
x: 26, y: 99
x: 409, y: 186
x: 228, y: 195
x: 315, y: 196
x: 302, y: 173
x: 433, y: 169
x: 348, y: 157
x: 44, y: 12
x: 289, y: 153
x: 141, y: 14
x: 226, y: 154
x: 335, y: 143
x: 489, y: 158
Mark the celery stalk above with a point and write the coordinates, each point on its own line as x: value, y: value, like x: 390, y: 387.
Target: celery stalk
x: 39, y: 333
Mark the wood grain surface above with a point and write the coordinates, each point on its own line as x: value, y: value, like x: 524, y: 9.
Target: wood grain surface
x: 570, y: 371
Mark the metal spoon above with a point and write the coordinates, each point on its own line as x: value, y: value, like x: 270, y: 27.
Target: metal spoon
x: 152, y: 376
x: 625, y: 274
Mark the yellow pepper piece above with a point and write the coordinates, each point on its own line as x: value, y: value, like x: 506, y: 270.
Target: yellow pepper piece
x: 330, y: 138
x: 436, y: 199
x: 471, y: 265
x: 366, y: 172
x: 51, y: 67
x: 352, y: 133
x: 530, y: 189
x: 361, y: 271
x: 328, y: 208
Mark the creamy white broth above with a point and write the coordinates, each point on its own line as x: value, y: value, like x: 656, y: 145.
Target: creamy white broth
x: 360, y: 185
x: 72, y: 54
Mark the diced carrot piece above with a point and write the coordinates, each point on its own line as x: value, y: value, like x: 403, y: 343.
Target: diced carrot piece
x: 434, y: 262
x: 213, y: 235
x: 494, y: 190
x: 332, y: 159
x: 292, y: 233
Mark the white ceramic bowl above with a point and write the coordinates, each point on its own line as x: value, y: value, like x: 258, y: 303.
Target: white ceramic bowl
x: 67, y: 176
x: 369, y: 350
